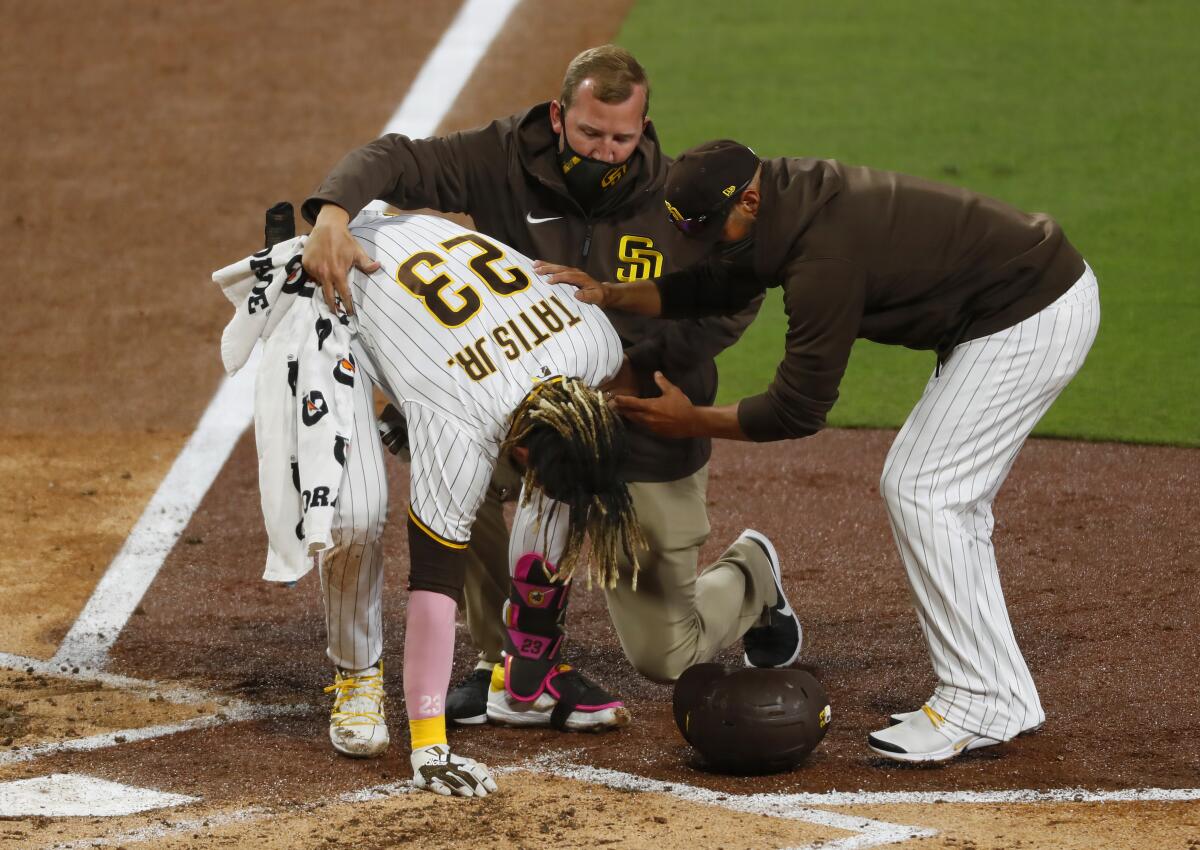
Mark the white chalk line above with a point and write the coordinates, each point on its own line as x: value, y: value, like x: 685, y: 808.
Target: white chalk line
x: 868, y: 832
x: 170, y: 691
x: 103, y: 740
x: 587, y: 773
x: 228, y: 709
x: 76, y: 795
x: 167, y: 826
x: 449, y: 66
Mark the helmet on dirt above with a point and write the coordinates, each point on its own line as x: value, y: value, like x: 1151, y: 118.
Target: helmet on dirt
x: 750, y: 720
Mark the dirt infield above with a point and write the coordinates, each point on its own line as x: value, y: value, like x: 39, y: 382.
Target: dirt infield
x: 133, y: 171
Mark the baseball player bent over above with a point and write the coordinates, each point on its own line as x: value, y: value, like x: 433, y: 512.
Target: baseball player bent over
x: 483, y: 360
x: 1001, y: 296
x: 580, y: 180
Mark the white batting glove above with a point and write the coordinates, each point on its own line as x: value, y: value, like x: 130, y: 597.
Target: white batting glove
x: 438, y: 770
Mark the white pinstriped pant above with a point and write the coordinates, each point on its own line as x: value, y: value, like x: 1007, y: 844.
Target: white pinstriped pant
x: 352, y: 571
x: 940, y: 478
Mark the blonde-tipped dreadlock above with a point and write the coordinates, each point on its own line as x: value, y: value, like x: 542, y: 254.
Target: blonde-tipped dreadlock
x: 576, y: 444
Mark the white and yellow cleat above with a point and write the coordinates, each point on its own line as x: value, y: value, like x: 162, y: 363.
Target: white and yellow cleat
x: 357, y: 727
x: 925, y: 735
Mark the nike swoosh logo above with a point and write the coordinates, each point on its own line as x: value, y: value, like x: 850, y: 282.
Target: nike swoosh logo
x: 529, y: 218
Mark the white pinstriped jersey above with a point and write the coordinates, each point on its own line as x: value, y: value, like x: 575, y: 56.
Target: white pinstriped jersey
x: 457, y: 329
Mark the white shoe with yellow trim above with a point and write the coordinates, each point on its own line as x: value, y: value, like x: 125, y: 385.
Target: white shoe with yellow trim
x: 925, y: 736
x: 357, y: 727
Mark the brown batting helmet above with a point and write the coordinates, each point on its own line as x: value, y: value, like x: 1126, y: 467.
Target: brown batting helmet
x: 750, y: 720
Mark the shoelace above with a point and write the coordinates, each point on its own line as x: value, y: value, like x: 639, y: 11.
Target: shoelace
x: 936, y: 719
x: 368, y: 686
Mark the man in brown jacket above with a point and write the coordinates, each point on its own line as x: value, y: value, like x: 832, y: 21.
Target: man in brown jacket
x: 578, y: 180
x: 1005, y: 301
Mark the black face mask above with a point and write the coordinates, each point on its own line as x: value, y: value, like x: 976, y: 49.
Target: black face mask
x: 588, y: 180
x: 738, y: 254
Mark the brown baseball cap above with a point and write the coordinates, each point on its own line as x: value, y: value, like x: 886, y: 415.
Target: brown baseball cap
x: 704, y: 182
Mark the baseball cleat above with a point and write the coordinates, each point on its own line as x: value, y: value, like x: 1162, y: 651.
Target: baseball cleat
x: 925, y: 736
x: 776, y: 643
x: 357, y: 727
x: 568, y: 702
x: 466, y: 704
x: 900, y: 717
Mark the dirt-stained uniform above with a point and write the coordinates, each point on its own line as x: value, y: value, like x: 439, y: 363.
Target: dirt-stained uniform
x: 507, y: 178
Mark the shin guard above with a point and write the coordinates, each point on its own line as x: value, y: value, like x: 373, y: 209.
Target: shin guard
x: 533, y: 620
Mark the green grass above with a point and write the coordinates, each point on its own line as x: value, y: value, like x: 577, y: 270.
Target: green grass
x: 1086, y: 109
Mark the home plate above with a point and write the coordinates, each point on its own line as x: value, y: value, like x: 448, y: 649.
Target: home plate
x: 72, y: 795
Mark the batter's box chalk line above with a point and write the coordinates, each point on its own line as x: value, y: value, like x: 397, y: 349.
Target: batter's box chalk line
x: 229, y: 709
x: 866, y: 832
x: 798, y: 806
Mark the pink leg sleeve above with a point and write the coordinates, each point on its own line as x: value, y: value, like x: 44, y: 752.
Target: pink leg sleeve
x: 428, y: 653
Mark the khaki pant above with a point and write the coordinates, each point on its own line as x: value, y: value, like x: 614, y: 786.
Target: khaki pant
x: 675, y: 618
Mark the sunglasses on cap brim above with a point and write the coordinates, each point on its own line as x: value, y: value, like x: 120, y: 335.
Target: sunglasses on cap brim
x: 708, y: 222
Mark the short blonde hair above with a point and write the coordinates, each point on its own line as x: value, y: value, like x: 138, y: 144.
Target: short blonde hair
x: 614, y: 72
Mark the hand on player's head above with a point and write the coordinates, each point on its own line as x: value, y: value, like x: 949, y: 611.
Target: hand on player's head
x: 329, y: 254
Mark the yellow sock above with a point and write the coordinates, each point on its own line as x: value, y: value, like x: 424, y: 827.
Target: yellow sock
x: 427, y: 731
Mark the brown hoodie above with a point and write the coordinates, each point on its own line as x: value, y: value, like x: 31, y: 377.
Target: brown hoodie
x: 877, y: 255
x: 506, y: 177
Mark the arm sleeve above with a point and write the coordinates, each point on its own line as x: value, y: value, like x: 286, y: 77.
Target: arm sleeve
x: 679, y: 345
x: 712, y: 301
x: 824, y: 300
x: 708, y: 288
x: 435, y: 173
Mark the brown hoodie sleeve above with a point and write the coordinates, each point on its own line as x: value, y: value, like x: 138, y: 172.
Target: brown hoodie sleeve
x: 685, y: 344
x: 441, y: 173
x: 824, y: 302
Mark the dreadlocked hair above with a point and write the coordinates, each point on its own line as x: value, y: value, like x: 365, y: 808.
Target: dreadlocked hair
x: 576, y: 444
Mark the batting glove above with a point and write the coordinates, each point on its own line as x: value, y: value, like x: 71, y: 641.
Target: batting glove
x: 438, y: 770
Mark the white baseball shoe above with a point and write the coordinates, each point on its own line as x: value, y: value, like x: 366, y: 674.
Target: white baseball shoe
x: 925, y: 736
x: 357, y: 727
x: 901, y: 716
x: 569, y: 702
x: 776, y: 643
x: 438, y: 770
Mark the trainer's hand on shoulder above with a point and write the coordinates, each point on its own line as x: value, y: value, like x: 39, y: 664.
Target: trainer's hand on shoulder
x: 438, y: 770
x: 670, y: 415
x: 588, y: 289
x: 331, y: 251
